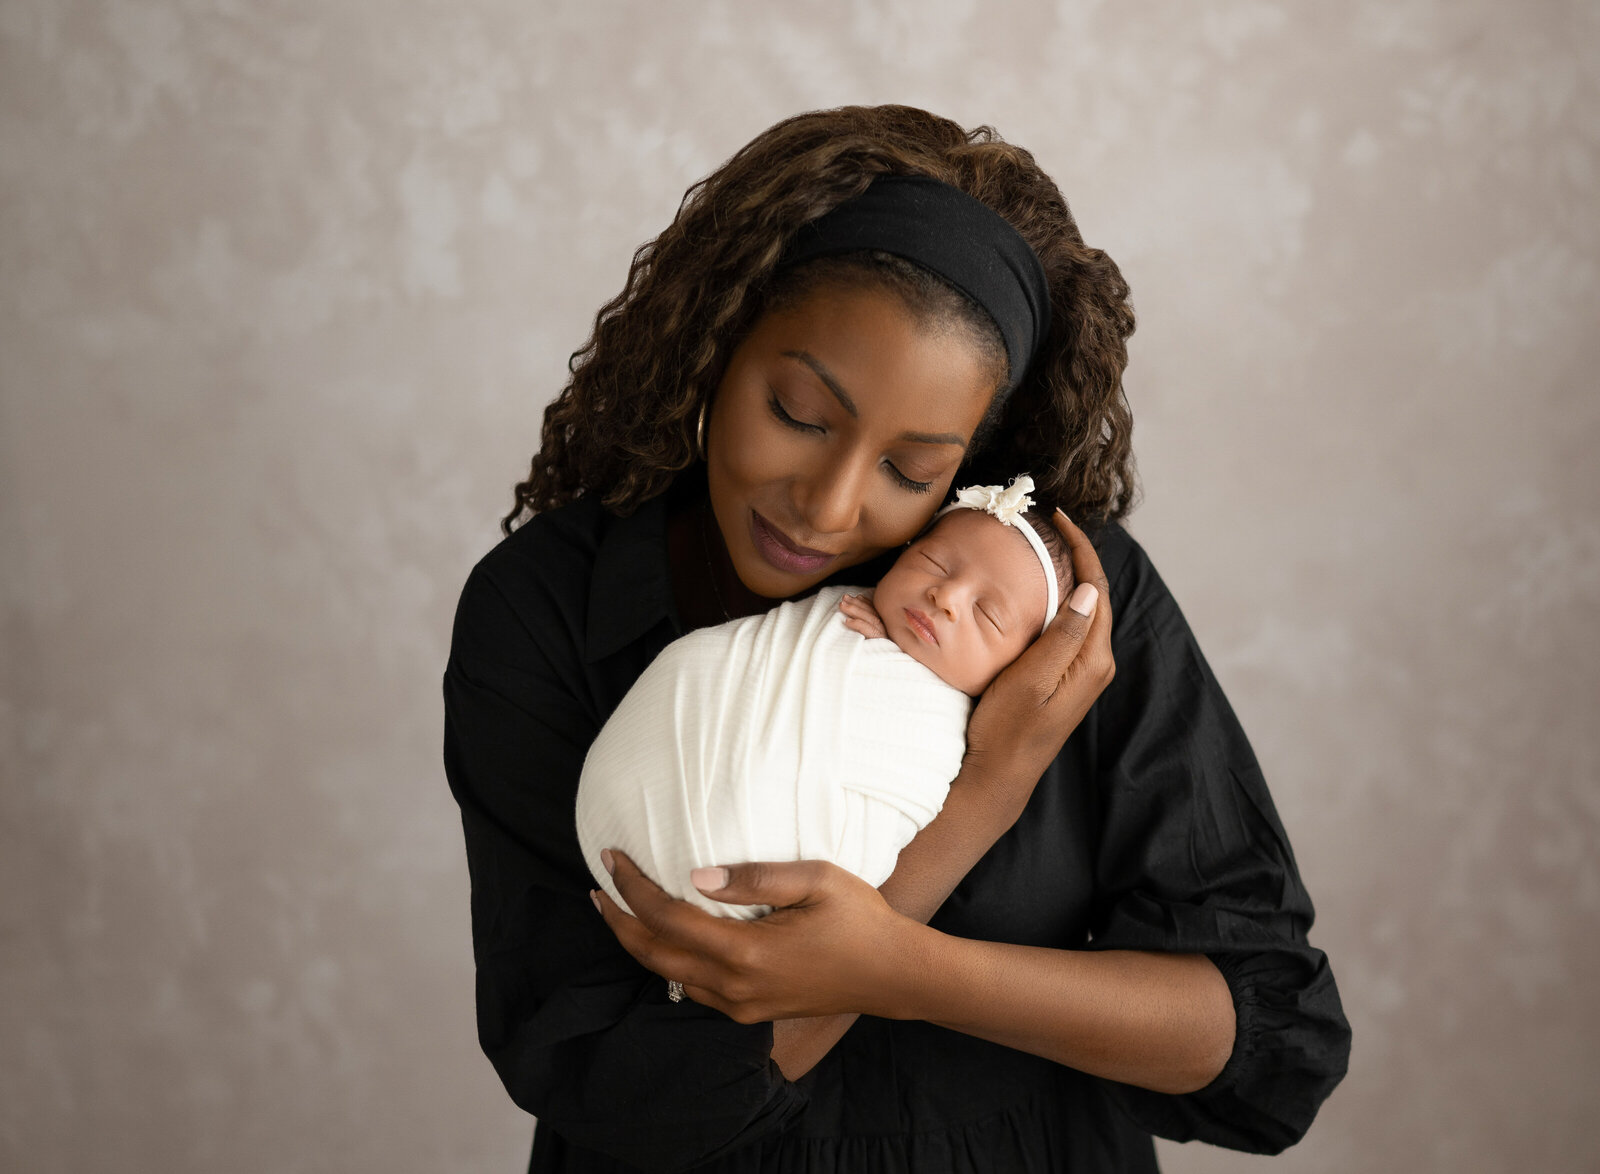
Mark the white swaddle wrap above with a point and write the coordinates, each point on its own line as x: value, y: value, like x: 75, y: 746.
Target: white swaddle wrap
x: 784, y: 736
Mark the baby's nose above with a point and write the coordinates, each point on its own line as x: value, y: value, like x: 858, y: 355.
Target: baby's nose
x: 943, y: 596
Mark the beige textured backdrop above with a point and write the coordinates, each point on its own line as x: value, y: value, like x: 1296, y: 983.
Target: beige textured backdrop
x: 283, y: 290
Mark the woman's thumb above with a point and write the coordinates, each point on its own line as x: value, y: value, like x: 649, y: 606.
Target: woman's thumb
x: 777, y: 884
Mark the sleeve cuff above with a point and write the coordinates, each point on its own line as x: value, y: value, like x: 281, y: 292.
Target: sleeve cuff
x: 1246, y: 1021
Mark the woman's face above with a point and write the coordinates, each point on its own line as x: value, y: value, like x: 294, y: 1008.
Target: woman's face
x: 835, y: 433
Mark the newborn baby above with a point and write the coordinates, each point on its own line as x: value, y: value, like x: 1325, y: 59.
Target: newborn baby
x: 787, y: 736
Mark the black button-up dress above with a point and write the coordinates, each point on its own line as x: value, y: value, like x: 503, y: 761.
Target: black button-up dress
x: 1152, y: 830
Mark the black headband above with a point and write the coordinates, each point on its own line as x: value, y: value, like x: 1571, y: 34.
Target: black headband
x: 959, y: 238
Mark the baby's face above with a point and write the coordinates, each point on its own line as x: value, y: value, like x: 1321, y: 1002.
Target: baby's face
x: 965, y: 599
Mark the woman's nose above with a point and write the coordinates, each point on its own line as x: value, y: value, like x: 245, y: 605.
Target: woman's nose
x: 830, y: 499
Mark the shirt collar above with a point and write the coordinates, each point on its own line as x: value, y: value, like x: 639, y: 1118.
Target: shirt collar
x: 631, y: 591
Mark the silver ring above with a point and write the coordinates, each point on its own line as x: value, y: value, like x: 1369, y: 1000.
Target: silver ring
x: 674, y: 990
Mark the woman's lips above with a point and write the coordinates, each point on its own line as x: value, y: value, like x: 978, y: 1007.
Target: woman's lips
x: 922, y: 626
x: 776, y: 547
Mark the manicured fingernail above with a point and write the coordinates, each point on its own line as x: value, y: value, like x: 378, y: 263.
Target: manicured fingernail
x: 1083, y: 598
x: 709, y: 880
x: 594, y: 895
x: 608, y: 861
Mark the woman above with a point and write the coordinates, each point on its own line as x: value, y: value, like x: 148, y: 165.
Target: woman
x: 1101, y: 936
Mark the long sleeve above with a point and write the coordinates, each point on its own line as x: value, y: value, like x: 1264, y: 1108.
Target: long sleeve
x: 1194, y: 859
x: 580, y: 1034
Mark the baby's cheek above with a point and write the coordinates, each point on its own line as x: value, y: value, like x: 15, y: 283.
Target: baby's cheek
x: 981, y: 680
x: 995, y: 663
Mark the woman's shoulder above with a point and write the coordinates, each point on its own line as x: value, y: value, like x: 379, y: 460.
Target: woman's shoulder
x: 562, y: 550
x: 567, y: 533
x: 538, y: 573
x: 589, y: 580
x: 1135, y: 582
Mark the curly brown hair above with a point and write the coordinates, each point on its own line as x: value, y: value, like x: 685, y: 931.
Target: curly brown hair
x: 624, y: 425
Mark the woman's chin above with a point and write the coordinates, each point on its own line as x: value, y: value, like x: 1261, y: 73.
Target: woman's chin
x: 761, y: 578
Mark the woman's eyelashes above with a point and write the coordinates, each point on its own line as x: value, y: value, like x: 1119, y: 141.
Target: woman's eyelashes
x: 785, y: 418
x: 788, y: 421
x: 906, y: 482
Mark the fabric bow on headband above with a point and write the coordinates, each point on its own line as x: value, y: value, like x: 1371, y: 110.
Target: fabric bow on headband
x: 1008, y: 505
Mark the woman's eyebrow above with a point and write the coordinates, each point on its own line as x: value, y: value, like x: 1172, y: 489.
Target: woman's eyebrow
x: 934, y: 438
x: 831, y: 382
x: 828, y: 380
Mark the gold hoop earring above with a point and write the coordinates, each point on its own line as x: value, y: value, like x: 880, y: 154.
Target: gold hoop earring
x: 700, y: 432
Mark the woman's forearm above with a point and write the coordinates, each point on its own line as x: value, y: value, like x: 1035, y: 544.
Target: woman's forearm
x: 1159, y: 1021
x: 943, y: 852
x: 928, y: 869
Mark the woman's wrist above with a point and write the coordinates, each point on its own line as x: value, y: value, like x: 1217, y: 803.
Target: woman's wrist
x: 944, y: 851
x: 1002, y: 780
x: 916, y: 963
x: 997, y: 792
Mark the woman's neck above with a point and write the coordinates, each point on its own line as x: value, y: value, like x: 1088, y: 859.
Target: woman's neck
x: 705, y: 585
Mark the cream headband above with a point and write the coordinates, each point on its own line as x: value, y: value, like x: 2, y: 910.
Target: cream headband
x: 1007, y: 505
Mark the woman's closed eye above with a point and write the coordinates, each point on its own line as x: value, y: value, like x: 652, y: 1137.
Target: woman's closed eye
x: 785, y: 418
x: 906, y: 482
x: 909, y: 484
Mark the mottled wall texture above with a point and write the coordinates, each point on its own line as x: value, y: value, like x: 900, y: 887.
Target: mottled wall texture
x: 284, y: 287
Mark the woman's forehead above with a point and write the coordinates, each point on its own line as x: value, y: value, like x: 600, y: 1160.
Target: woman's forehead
x: 885, y: 365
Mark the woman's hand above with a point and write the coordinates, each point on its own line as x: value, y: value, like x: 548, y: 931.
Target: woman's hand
x: 1025, y: 716
x: 831, y: 944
